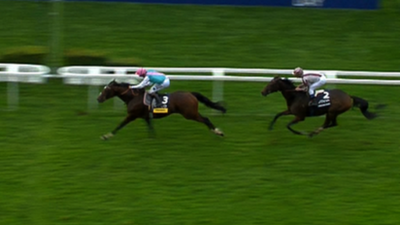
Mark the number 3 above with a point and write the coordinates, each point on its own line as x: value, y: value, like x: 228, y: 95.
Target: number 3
x: 165, y: 100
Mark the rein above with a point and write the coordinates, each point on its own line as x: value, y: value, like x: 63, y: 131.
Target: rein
x: 127, y: 90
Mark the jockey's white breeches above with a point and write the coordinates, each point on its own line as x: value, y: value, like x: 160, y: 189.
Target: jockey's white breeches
x: 158, y: 87
x: 312, y: 87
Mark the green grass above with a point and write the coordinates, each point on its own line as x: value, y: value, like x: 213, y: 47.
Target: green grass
x: 170, y: 35
x: 54, y: 169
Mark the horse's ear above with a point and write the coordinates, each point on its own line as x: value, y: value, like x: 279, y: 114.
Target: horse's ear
x: 114, y: 81
x: 277, y: 77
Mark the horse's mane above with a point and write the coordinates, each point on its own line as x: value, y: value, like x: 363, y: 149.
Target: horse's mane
x: 127, y: 85
x: 288, y: 82
x: 123, y: 84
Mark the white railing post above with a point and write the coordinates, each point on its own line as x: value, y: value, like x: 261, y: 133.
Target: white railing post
x: 93, y: 89
x: 331, y: 75
x: 12, y: 88
x: 14, y: 73
x: 218, y: 85
x: 93, y: 92
x: 118, y: 103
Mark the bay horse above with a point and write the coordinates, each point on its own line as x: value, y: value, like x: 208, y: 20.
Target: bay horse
x: 184, y: 103
x: 297, y: 105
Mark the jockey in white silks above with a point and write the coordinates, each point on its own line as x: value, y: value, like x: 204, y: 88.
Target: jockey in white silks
x: 312, y: 81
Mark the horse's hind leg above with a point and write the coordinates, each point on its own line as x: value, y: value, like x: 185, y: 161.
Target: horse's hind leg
x: 296, y: 120
x: 207, y: 122
x: 330, y: 121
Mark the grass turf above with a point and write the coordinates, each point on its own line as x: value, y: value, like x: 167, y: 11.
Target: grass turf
x: 166, y: 35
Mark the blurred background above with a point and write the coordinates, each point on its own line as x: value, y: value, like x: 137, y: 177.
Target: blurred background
x: 54, y: 169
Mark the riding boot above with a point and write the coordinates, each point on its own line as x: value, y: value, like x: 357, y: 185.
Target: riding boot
x: 312, y: 101
x: 157, y: 97
x: 151, y: 106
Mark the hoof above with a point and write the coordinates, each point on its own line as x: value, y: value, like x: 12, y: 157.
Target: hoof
x: 106, y: 136
x: 218, y: 132
x: 312, y: 134
x: 305, y: 133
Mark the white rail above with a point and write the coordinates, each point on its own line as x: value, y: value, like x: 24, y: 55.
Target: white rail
x: 97, y: 70
x: 105, y: 78
x: 100, y: 75
x: 16, y: 73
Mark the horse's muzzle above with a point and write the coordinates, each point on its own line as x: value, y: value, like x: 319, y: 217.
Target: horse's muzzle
x: 263, y: 93
x: 100, y: 100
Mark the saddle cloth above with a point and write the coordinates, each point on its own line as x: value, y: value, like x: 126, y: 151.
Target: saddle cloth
x: 155, y: 105
x: 322, y: 99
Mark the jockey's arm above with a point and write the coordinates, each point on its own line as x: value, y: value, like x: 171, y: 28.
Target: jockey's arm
x: 301, y: 87
x: 145, y: 82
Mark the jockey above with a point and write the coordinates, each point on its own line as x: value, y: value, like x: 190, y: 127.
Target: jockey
x: 151, y: 77
x: 310, y: 80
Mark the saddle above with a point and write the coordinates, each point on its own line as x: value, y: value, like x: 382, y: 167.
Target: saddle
x: 154, y: 105
x: 322, y: 98
x: 321, y: 101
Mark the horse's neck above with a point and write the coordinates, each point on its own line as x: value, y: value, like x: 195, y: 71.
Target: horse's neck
x: 291, y: 95
x: 127, y: 95
x: 125, y: 98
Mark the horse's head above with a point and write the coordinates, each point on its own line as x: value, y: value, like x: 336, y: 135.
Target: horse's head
x: 278, y: 84
x: 113, y: 89
x: 109, y: 91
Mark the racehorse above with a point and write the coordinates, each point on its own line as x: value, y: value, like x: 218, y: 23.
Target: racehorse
x: 184, y: 103
x: 336, y: 102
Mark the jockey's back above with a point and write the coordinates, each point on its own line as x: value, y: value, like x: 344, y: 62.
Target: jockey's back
x: 311, y: 78
x: 155, y: 77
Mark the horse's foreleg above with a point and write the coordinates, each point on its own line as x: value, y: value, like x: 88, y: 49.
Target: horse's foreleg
x: 296, y: 120
x: 271, y: 125
x: 127, y: 120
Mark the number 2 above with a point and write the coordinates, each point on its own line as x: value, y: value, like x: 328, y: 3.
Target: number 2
x: 326, y: 95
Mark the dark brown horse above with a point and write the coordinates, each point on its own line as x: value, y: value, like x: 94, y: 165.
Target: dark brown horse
x: 184, y: 103
x: 297, y: 105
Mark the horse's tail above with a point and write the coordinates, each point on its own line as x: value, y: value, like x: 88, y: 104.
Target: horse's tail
x: 214, y: 105
x: 363, y: 106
